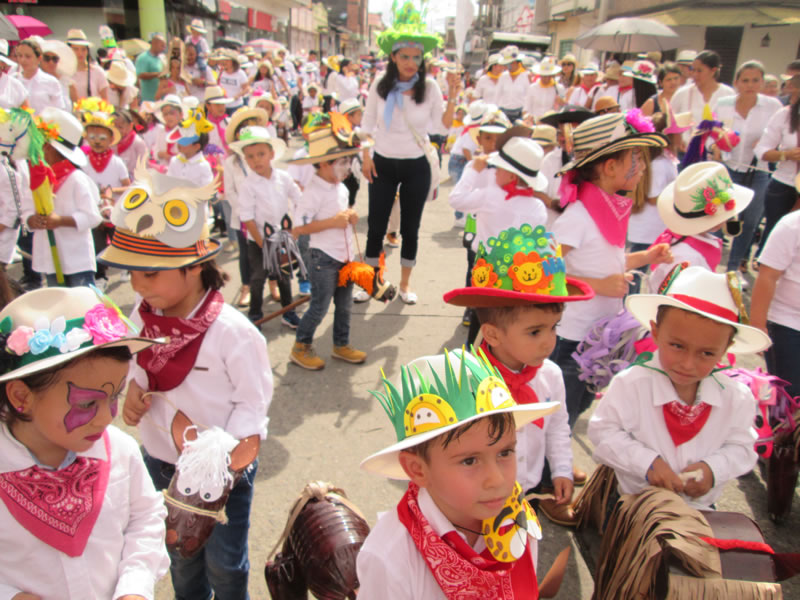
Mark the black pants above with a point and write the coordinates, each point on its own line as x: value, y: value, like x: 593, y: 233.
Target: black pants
x: 296, y: 110
x: 352, y: 185
x: 100, y: 235
x: 779, y: 200
x: 258, y: 276
x: 413, y: 175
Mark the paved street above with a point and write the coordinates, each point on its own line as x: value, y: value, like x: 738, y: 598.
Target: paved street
x: 322, y: 424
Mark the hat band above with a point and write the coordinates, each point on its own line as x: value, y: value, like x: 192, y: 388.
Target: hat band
x: 691, y: 214
x: 152, y: 247
x: 69, y: 145
x: 407, y: 44
x: 707, y: 307
x: 518, y: 165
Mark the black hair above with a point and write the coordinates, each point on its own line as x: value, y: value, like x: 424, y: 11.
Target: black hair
x: 710, y: 59
x: 503, y: 316
x: 499, y: 423
x: 793, y: 66
x: 212, y: 277
x: 42, y: 379
x: 386, y: 84
x: 666, y: 69
x: 344, y: 63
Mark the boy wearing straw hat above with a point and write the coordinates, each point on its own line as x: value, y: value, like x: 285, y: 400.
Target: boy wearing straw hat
x: 463, y: 528
x: 542, y: 94
x: 674, y: 420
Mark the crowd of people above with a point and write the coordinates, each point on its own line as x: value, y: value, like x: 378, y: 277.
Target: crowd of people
x: 583, y: 190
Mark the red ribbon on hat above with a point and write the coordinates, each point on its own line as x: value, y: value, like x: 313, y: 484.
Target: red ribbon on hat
x: 707, y: 307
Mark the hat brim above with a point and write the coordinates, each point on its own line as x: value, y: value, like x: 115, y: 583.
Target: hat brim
x: 644, y: 308
x: 191, y: 28
x: 129, y: 80
x: 536, y: 182
x: 133, y: 261
x: 385, y: 462
x: 639, y: 140
x: 115, y: 134
x: 74, y: 155
x: 574, y: 114
x: 681, y: 225
x: 490, y: 128
x: 488, y: 297
x: 134, y: 344
x: 389, y: 38
x: 241, y: 115
x: 85, y: 43
x: 311, y: 160
x: 537, y: 70
x: 278, y: 146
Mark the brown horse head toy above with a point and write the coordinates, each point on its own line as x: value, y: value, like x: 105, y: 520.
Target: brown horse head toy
x: 210, y: 464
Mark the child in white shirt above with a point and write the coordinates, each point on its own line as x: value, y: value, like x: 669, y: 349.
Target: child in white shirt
x: 171, y: 114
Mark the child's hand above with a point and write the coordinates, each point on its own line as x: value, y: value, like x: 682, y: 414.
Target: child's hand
x: 660, y: 475
x: 479, y: 162
x: 562, y: 489
x: 136, y: 406
x: 341, y: 220
x: 694, y: 488
x: 614, y: 286
x: 660, y: 253
x: 26, y: 596
x: 53, y: 221
x: 353, y: 219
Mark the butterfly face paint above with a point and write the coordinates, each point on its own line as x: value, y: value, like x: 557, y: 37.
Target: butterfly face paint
x: 84, y: 403
x: 636, y: 169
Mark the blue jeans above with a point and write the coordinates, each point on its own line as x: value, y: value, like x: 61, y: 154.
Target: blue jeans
x: 324, y: 275
x: 782, y: 357
x: 305, y: 254
x: 456, y: 167
x: 72, y: 280
x: 778, y: 201
x: 222, y: 566
x: 750, y: 216
x: 579, y: 397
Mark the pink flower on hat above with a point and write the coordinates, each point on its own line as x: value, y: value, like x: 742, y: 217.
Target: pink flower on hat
x: 710, y: 208
x: 730, y: 205
x: 18, y: 340
x: 709, y: 194
x: 104, y: 324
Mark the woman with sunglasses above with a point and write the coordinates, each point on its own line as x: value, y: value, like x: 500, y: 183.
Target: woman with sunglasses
x: 568, y: 71
x: 43, y: 90
x: 59, y: 61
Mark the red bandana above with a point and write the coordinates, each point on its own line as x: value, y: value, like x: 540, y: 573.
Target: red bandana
x: 221, y: 124
x: 517, y: 382
x: 59, y: 507
x: 126, y: 142
x: 62, y: 170
x: 168, y: 365
x: 684, y: 421
x: 587, y: 89
x: 100, y: 160
x: 512, y: 190
x: 462, y: 573
x: 625, y: 88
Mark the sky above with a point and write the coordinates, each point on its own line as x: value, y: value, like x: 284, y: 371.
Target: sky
x: 437, y: 11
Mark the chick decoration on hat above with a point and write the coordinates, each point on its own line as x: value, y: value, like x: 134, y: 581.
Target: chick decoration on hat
x: 192, y: 128
x: 725, y: 138
x: 91, y: 105
x: 520, y: 266
x: 408, y: 30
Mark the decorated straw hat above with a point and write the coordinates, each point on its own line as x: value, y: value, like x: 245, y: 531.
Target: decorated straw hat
x: 523, y: 157
x: 70, y: 134
x: 67, y: 61
x: 216, y: 95
x: 408, y: 31
x: 475, y: 111
x: 590, y: 69
x: 494, y: 59
x: 227, y: 54
x: 494, y: 120
x: 333, y: 139
x: 702, y: 197
x: 76, y: 37
x: 716, y: 296
x: 644, y: 70
x: 519, y: 267
x: 545, y: 135
x: 606, y: 134
x: 120, y: 75
x: 547, y: 67
x: 102, y: 119
x: 161, y: 224
x: 436, y: 394
x: 51, y: 326
x: 257, y: 99
x: 245, y: 113
x: 197, y: 25
x: 255, y: 134
x: 686, y: 57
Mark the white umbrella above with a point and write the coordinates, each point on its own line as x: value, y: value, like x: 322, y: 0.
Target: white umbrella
x: 629, y: 34
x: 7, y: 29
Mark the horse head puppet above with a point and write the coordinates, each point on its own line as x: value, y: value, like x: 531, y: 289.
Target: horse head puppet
x: 210, y: 464
x: 20, y: 135
x: 281, y: 253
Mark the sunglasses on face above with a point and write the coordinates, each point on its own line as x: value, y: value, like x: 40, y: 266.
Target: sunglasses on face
x: 51, y: 58
x: 97, y: 137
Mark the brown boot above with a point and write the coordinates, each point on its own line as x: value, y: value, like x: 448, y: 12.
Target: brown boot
x: 561, y: 514
x: 349, y: 354
x: 578, y: 477
x: 304, y: 356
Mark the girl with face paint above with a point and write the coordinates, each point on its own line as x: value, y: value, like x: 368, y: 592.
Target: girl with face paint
x: 74, y: 489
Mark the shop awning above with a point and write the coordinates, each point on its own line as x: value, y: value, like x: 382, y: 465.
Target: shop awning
x: 270, y: 6
x: 723, y: 16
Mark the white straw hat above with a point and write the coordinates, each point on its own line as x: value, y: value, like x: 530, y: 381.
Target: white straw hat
x: 523, y: 157
x: 70, y: 134
x: 547, y: 67
x: 255, y: 134
x: 120, y: 75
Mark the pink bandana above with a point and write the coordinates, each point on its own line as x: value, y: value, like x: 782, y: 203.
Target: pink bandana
x: 711, y: 252
x: 610, y: 212
x: 59, y: 507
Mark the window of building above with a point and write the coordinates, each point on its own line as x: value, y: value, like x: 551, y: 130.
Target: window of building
x: 564, y: 47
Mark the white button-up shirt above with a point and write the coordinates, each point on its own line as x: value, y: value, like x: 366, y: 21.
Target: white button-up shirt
x: 488, y: 89
x: 12, y: 92
x: 78, y: 198
x: 512, y: 91
x: 778, y: 136
x: 750, y: 129
x: 233, y: 175
x: 43, y: 90
x: 125, y: 553
x: 267, y: 200
x: 10, y: 213
x: 195, y: 170
x: 230, y: 385
x: 322, y: 200
x: 538, y: 99
x: 629, y: 432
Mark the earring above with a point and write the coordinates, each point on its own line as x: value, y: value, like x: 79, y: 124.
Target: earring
x: 20, y: 408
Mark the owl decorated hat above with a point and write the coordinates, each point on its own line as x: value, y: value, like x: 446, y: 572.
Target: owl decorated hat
x: 161, y: 224
x: 519, y: 267
x: 436, y: 394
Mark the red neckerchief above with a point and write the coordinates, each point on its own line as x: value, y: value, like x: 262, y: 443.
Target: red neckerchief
x: 218, y: 123
x: 624, y: 88
x: 100, y: 160
x: 587, y: 89
x: 39, y: 173
x: 468, y: 127
x: 710, y: 251
x: 60, y: 507
x: 126, y: 142
x: 517, y: 382
x: 62, y: 170
x: 512, y: 190
x: 610, y: 212
x: 167, y: 365
x: 462, y: 573
x: 684, y: 421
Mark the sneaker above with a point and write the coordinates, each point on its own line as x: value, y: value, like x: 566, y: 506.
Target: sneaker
x: 305, y: 288
x: 304, y: 356
x: 466, y: 319
x: 392, y: 240
x: 360, y: 296
x: 291, y: 320
x: 349, y: 354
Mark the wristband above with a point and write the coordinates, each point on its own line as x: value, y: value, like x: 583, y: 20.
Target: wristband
x: 782, y: 156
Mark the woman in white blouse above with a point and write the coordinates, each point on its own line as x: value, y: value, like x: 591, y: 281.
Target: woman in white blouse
x: 781, y: 144
x: 705, y: 89
x: 43, y: 90
x: 346, y: 83
x: 402, y: 106
x: 748, y: 113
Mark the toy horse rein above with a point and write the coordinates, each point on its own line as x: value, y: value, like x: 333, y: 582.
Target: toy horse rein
x: 218, y: 515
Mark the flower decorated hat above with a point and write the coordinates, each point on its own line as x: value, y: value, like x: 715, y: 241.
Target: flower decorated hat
x: 408, y: 31
x: 519, y: 267
x: 331, y: 136
x: 104, y: 120
x: 50, y: 326
x: 702, y: 197
x: 191, y: 128
x: 436, y: 394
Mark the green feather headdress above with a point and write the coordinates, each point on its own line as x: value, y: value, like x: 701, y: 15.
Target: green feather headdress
x: 408, y: 28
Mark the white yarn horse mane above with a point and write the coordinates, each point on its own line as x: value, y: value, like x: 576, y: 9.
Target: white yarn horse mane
x: 205, y: 460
